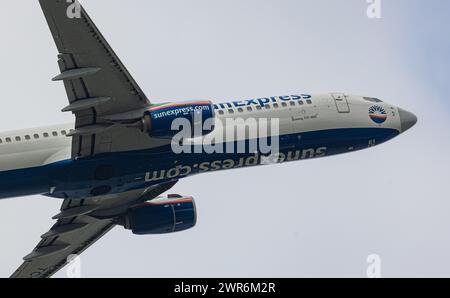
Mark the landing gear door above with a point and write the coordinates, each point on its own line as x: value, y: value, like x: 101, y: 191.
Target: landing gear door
x: 341, y: 102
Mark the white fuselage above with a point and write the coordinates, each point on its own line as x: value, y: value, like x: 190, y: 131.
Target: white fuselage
x: 40, y: 147
x: 34, y: 147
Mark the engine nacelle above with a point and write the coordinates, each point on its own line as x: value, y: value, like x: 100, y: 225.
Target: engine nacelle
x: 162, y: 216
x: 157, y: 121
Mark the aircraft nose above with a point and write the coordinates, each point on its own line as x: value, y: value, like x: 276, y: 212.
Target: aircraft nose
x: 407, y: 119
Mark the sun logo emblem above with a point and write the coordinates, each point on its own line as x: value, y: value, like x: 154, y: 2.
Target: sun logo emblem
x: 378, y: 114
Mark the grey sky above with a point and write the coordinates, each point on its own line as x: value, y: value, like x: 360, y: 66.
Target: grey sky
x: 311, y: 218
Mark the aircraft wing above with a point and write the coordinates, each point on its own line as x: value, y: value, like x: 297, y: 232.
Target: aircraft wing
x: 79, y: 225
x: 96, y: 82
x: 72, y: 239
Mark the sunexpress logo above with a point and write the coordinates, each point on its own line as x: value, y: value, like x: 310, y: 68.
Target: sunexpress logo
x: 182, y: 111
x: 262, y: 101
x: 378, y: 114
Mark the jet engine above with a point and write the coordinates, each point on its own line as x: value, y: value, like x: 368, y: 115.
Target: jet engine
x: 163, y: 215
x: 157, y: 121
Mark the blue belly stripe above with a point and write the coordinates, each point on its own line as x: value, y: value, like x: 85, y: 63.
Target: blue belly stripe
x: 76, y: 179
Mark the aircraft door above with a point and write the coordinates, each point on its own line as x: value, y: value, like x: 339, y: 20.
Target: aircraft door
x: 341, y: 102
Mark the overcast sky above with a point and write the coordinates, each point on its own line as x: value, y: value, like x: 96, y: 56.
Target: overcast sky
x: 306, y: 219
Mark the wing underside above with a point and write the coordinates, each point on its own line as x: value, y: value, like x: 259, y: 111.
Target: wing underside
x: 96, y: 81
x: 79, y: 225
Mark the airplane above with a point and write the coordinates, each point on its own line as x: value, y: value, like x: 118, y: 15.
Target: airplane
x: 113, y: 165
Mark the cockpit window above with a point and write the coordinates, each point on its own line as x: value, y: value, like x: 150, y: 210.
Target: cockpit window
x: 372, y: 99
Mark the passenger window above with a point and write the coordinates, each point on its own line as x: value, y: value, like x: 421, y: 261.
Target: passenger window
x: 8, y: 140
x: 276, y: 106
x: 63, y: 132
x: 231, y: 111
x: 55, y: 134
x: 1, y: 141
x: 249, y: 109
x: 292, y: 103
x: 258, y: 107
x: 309, y: 102
x: 284, y: 105
x: 18, y: 139
x: 36, y: 136
x: 46, y: 135
x: 301, y: 102
x: 27, y: 137
x: 221, y: 112
x: 240, y: 110
x: 267, y: 107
